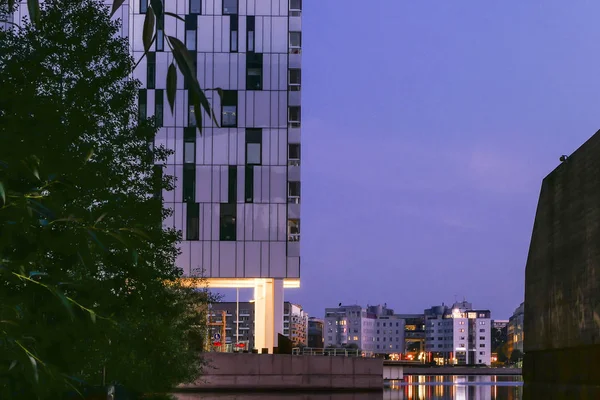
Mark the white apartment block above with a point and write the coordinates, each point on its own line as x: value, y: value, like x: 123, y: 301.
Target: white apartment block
x: 458, y: 334
x: 295, y: 323
x: 375, y: 329
x: 237, y: 196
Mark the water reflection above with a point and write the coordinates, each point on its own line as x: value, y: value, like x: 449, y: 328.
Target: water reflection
x: 412, y: 388
x: 455, y: 388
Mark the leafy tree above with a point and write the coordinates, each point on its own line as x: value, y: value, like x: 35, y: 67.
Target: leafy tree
x: 502, y: 351
x: 153, y: 21
x: 516, y: 355
x: 90, y: 291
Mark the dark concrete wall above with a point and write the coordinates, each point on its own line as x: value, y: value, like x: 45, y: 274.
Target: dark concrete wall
x: 562, y: 278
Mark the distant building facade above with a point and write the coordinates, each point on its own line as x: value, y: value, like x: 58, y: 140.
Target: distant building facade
x: 414, y: 332
x: 458, y: 334
x: 515, y: 330
x: 373, y: 329
x: 315, y: 333
x: 246, y: 322
x: 295, y: 323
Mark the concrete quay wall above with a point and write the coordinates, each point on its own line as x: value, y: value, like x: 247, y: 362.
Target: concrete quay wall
x: 562, y: 278
x: 246, y: 371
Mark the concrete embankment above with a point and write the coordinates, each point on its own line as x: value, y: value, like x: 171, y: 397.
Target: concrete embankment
x: 234, y: 372
x: 460, y: 371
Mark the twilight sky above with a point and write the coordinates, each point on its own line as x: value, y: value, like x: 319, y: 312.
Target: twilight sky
x: 427, y: 129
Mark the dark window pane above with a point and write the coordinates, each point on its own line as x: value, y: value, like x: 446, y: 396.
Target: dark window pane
x: 294, y: 116
x: 143, y: 6
x: 229, y: 108
x: 191, y: 22
x: 195, y: 6
x: 250, y: 21
x: 254, y: 64
x: 158, y: 175
x: 228, y: 225
x: 295, y: 4
x: 232, y: 189
x: 189, y: 182
x: 294, y: 151
x: 158, y: 106
x: 142, y: 104
x: 294, y: 189
x: 249, y: 184
x: 230, y: 7
x: 151, y: 70
x: 192, y: 221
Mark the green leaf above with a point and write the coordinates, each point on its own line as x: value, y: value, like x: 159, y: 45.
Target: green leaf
x: 2, y: 193
x: 148, y: 31
x: 174, y: 15
x: 34, y: 11
x: 184, y: 62
x: 157, y: 6
x: 63, y: 299
x: 171, y: 85
x: 89, y: 155
x: 138, y: 232
x: 12, y: 364
x: 36, y: 376
x: 92, y: 316
x: 93, y: 236
x: 100, y: 218
x: 116, y: 5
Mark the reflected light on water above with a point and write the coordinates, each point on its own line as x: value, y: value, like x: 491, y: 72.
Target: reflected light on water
x: 411, y: 388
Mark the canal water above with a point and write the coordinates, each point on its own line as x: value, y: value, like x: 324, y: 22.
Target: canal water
x: 412, y: 388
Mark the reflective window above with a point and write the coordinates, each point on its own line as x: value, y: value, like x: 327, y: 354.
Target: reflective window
x: 195, y: 6
x: 189, y: 152
x: 230, y: 7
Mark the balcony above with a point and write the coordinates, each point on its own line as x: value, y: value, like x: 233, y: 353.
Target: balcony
x: 294, y: 199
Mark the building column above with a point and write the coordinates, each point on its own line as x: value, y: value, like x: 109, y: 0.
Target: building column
x: 268, y: 312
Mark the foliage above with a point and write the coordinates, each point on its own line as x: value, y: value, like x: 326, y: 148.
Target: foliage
x: 80, y: 203
x: 153, y: 21
x: 516, y: 356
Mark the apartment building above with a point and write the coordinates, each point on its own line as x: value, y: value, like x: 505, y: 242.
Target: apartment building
x: 373, y: 329
x: 458, y: 334
x: 295, y: 323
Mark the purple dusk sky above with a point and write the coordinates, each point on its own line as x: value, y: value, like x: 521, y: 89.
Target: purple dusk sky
x: 427, y: 129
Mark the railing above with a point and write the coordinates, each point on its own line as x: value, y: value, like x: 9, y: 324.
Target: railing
x: 309, y: 351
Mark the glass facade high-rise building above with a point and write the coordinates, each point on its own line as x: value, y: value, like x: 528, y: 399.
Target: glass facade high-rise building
x: 237, y: 195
